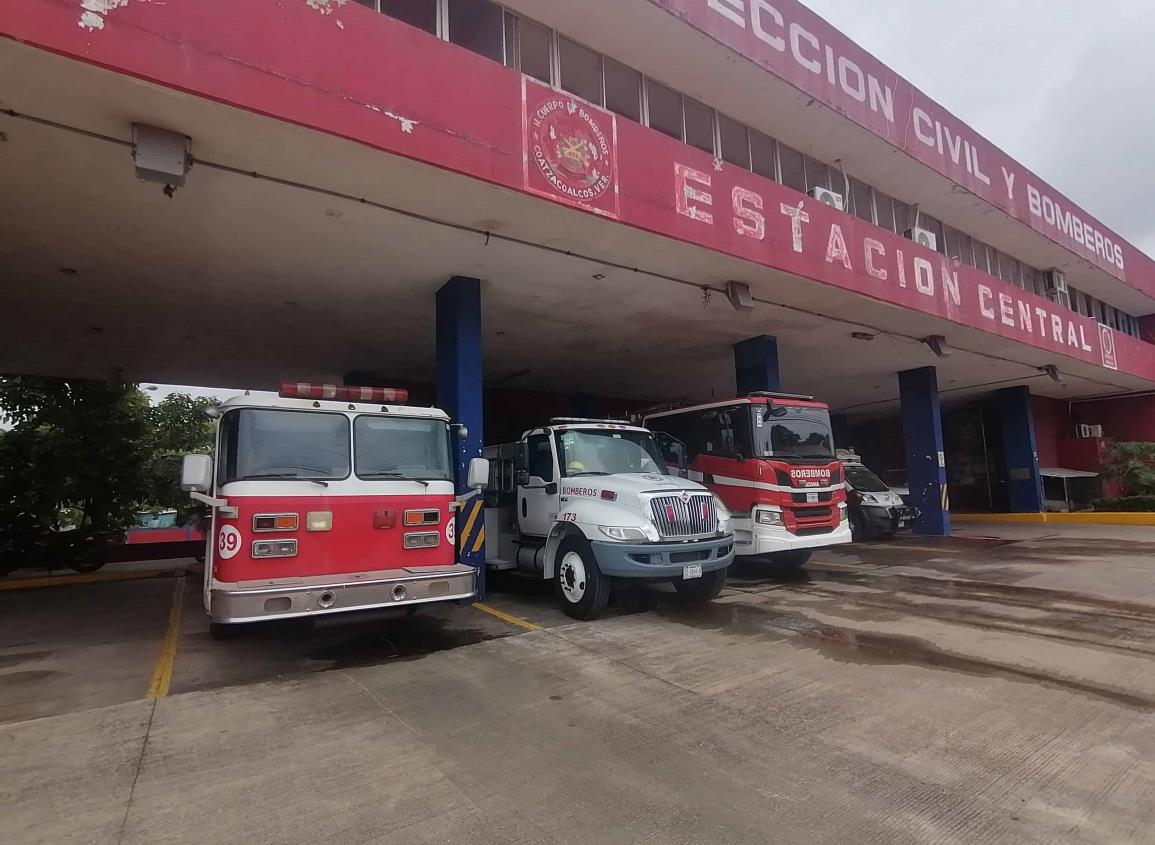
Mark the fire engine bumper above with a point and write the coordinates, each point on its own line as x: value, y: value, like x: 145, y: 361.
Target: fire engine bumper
x: 254, y: 601
x: 663, y: 560
x: 754, y: 539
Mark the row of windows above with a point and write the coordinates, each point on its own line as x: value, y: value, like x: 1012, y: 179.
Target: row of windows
x: 537, y: 51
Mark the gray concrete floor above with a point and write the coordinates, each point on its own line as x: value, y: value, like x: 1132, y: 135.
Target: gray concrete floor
x: 912, y: 691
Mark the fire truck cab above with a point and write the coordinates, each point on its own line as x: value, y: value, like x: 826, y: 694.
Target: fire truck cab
x: 327, y: 500
x: 582, y: 502
x: 770, y: 457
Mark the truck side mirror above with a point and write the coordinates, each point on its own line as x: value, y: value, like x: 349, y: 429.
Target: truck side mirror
x: 477, y: 477
x: 196, y: 473
x: 522, y: 477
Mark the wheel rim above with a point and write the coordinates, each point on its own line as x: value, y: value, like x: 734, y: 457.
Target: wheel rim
x: 572, y: 576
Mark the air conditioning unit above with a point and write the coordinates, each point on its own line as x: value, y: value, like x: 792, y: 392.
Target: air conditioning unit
x: 922, y: 237
x: 1090, y: 431
x: 1056, y: 288
x: 828, y: 197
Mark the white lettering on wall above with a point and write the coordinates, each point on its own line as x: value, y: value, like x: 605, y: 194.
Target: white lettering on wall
x: 836, y: 248
x: 797, y: 218
x: 873, y: 248
x: 688, y: 184
x: 986, y: 295
x: 760, y: 10
x: 749, y: 221
x: 923, y: 276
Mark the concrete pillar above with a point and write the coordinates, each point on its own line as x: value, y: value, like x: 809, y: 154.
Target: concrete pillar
x: 756, y: 365
x: 1020, y: 450
x: 459, y: 393
x: 925, y: 458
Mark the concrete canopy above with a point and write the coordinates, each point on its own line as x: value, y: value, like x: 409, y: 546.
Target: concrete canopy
x: 245, y: 281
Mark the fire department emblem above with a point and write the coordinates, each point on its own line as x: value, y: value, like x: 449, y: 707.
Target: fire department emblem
x: 570, y: 150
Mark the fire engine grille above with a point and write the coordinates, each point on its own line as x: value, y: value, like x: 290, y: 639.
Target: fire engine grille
x: 693, y: 517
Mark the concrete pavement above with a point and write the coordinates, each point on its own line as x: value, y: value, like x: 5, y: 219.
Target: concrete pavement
x: 965, y: 694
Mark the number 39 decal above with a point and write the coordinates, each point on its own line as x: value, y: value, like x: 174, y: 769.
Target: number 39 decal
x: 228, y: 542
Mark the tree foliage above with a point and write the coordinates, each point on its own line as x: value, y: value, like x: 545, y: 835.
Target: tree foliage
x: 93, y: 451
x: 1133, y: 466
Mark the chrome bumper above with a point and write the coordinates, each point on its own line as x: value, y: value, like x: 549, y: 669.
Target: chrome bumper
x: 254, y: 601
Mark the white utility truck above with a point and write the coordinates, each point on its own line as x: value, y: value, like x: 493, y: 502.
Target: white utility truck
x: 583, y: 502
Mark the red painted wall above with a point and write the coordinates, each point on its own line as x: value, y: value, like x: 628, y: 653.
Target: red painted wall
x: 1128, y: 418
x: 370, y: 78
x: 1052, y: 425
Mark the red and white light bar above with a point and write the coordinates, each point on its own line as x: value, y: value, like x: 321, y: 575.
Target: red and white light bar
x: 305, y: 390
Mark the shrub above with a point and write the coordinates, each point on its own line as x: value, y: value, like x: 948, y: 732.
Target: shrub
x: 1126, y: 504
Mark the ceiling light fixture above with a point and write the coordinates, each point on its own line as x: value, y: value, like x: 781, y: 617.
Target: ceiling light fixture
x: 1052, y: 372
x: 740, y: 297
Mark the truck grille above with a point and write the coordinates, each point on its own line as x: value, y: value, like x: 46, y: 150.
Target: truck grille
x: 693, y: 517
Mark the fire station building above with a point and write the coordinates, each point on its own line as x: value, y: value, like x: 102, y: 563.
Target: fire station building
x: 536, y: 207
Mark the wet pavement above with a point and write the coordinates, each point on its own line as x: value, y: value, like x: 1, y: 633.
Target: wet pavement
x: 972, y: 690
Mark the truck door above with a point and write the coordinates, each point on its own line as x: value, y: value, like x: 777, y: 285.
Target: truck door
x: 538, y: 495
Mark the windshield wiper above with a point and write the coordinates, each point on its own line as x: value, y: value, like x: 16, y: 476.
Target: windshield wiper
x: 291, y: 475
x: 392, y: 474
x: 585, y: 472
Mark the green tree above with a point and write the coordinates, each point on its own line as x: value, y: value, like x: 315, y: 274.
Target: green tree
x: 1133, y: 466
x: 177, y: 426
x: 75, y: 447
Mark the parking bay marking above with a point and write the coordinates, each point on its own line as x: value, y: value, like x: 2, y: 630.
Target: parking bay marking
x: 505, y: 617
x: 92, y: 578
x: 162, y: 674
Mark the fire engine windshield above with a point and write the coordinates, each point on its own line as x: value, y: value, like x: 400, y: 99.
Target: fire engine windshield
x: 783, y: 431
x: 259, y: 444
x: 607, y: 452
x: 401, y: 447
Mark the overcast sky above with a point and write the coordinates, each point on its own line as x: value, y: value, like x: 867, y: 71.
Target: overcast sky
x: 1066, y: 87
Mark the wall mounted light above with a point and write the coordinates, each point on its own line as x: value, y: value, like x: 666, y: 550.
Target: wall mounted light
x: 161, y: 156
x: 740, y: 297
x: 1052, y: 373
x: 938, y: 345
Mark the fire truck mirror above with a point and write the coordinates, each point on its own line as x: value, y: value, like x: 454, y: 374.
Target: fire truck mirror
x: 196, y: 473
x: 462, y: 432
x: 478, y: 474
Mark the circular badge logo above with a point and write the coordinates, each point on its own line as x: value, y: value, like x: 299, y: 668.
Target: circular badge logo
x: 570, y: 149
x: 451, y: 530
x: 228, y: 542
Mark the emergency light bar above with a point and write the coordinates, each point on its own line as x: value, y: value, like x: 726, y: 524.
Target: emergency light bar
x: 304, y: 390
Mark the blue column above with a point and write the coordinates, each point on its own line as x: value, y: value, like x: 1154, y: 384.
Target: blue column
x: 459, y: 393
x: 925, y: 458
x: 1020, y: 450
x: 756, y: 365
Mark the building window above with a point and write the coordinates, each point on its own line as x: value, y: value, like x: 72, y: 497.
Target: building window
x: 793, y: 168
x: 664, y: 109
x: 884, y: 211
x: 528, y: 48
x: 581, y: 70
x: 419, y: 13
x: 735, y: 140
x: 699, y: 125
x: 623, y: 90
x: 904, y: 217
x: 477, y: 26
x: 934, y: 226
x: 861, y: 206
x: 817, y: 175
x: 763, y: 156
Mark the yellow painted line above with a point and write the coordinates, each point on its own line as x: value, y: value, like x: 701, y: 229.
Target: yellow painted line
x: 469, y: 523
x: 90, y: 578
x: 162, y: 674
x: 505, y: 617
x: 1088, y: 518
x: 480, y: 540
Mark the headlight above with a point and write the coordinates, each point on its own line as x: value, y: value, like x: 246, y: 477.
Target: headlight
x: 870, y: 499
x: 843, y: 514
x: 723, y: 516
x: 768, y: 517
x: 629, y: 534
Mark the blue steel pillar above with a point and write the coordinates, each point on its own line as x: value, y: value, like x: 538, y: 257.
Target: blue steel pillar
x: 756, y: 365
x: 459, y: 393
x: 925, y: 458
x: 1020, y: 450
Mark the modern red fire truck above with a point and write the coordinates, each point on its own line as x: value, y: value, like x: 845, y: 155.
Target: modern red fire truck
x: 770, y: 458
x: 327, y: 500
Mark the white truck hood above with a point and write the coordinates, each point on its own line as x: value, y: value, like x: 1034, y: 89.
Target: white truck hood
x: 628, y: 488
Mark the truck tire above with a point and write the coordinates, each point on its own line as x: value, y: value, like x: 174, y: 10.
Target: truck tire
x: 702, y: 589
x: 790, y: 561
x: 579, y: 585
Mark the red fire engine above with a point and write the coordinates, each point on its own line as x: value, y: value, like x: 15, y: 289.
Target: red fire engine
x: 326, y: 500
x: 770, y: 458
